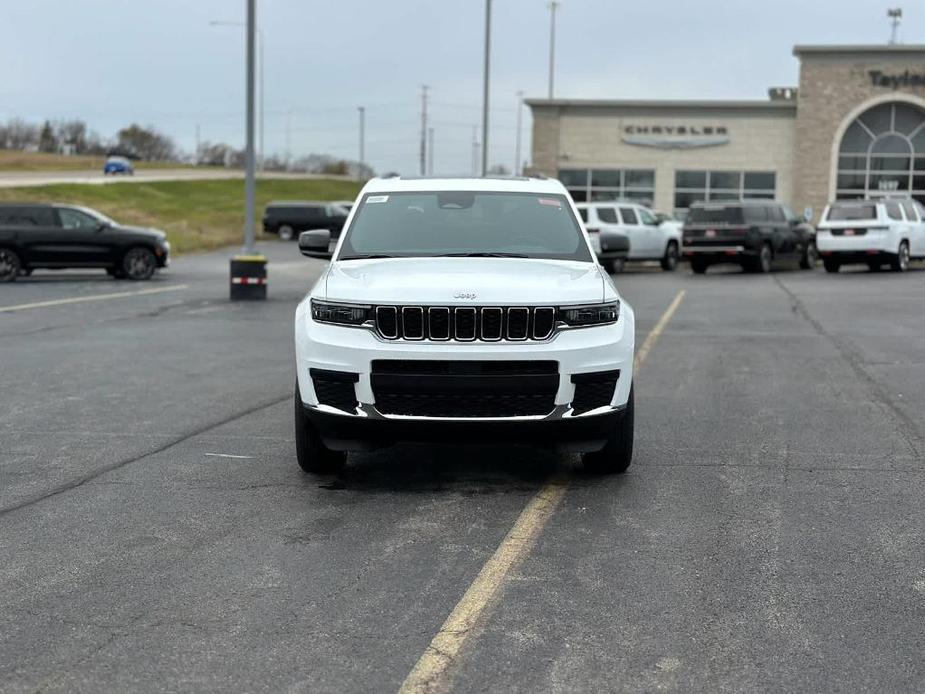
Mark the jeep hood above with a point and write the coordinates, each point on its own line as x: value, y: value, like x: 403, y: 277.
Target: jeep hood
x: 455, y: 281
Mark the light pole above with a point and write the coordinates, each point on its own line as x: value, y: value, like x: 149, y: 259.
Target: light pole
x: 485, y: 81
x: 520, y: 105
x: 362, y: 110
x: 553, y: 6
x: 217, y: 23
x: 895, y: 14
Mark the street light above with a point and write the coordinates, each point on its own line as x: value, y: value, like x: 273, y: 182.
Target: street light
x: 218, y: 23
x: 485, y: 80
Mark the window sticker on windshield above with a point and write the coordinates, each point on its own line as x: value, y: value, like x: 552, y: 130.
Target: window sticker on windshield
x: 552, y: 202
x: 377, y: 198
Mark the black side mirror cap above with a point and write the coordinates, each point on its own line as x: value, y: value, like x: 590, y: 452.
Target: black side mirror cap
x: 315, y: 243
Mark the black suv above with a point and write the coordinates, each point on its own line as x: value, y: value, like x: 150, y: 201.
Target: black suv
x: 288, y: 219
x: 752, y: 233
x: 66, y: 236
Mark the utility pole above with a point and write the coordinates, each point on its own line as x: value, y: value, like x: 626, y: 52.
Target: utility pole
x: 475, y: 150
x: 423, y: 129
x: 485, y: 81
x: 553, y: 6
x: 362, y: 112
x: 430, y: 151
x: 250, y: 183
x: 288, y: 138
x: 520, y: 105
x: 895, y: 14
x: 198, y: 144
x: 262, y: 112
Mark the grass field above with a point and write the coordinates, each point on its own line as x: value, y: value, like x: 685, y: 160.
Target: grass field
x: 14, y: 160
x: 197, y: 215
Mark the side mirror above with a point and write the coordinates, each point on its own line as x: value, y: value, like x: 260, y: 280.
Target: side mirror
x: 315, y: 243
x: 102, y: 226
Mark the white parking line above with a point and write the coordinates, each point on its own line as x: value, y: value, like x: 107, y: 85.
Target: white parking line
x: 229, y: 455
x: 94, y: 297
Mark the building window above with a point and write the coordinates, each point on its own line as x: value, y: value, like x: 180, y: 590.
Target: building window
x: 637, y: 185
x: 883, y: 150
x: 696, y: 186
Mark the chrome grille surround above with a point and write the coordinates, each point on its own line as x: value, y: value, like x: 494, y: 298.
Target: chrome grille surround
x: 466, y: 323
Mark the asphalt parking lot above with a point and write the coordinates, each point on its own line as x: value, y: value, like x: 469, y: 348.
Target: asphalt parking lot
x: 157, y: 534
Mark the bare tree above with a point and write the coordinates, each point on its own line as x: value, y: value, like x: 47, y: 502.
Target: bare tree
x: 20, y: 134
x: 146, y: 143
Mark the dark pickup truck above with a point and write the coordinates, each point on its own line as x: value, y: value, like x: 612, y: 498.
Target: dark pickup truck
x: 752, y: 233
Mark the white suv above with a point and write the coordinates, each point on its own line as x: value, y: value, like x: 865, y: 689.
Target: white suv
x: 649, y: 239
x: 462, y: 310
x: 871, y: 232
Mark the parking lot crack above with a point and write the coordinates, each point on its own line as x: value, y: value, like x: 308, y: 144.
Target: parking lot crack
x: 908, y: 431
x: 99, y: 472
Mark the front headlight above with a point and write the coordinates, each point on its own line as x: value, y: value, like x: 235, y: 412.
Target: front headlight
x: 596, y: 314
x: 340, y: 314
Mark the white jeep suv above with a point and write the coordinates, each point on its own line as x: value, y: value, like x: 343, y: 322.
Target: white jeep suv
x: 469, y: 310
x: 871, y: 232
x: 649, y: 239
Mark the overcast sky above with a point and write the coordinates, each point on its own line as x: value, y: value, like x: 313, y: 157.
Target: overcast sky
x: 159, y: 62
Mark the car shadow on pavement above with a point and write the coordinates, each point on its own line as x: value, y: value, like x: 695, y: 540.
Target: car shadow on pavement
x: 472, y: 469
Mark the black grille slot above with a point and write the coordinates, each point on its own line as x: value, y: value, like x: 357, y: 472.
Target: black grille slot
x: 335, y: 388
x: 464, y: 319
x: 387, y: 321
x: 492, y: 324
x: 465, y: 388
x: 412, y: 322
x: 397, y: 367
x: 854, y: 232
x: 518, y: 323
x: 465, y: 323
x: 593, y: 390
x: 544, y: 320
x: 438, y: 323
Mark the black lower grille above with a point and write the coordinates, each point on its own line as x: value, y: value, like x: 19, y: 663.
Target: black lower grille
x: 593, y: 390
x: 464, y: 388
x: 335, y: 389
x: 464, y: 405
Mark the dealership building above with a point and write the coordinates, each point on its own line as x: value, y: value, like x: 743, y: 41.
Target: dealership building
x: 854, y: 126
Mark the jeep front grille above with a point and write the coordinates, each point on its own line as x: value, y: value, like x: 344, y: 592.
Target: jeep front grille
x: 465, y: 323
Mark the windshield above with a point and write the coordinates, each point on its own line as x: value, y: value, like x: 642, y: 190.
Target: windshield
x: 850, y: 212
x: 461, y: 223
x: 716, y: 214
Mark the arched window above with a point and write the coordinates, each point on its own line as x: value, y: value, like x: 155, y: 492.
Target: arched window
x: 882, y: 151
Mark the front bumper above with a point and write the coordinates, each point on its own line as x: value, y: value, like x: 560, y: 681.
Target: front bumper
x: 352, y: 350
x: 577, y: 434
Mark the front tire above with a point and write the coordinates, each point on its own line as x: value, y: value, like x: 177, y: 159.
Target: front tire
x: 810, y: 257
x: 670, y: 259
x: 614, y: 266
x: 615, y: 457
x: 698, y: 266
x: 832, y: 266
x: 139, y: 264
x: 286, y: 233
x: 761, y: 264
x: 10, y: 265
x: 311, y: 453
x: 901, y: 262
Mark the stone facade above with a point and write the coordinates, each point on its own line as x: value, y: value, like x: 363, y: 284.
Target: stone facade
x: 797, y: 139
x: 836, y: 86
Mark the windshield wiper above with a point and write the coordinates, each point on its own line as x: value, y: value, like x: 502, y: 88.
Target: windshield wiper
x: 367, y: 256
x: 481, y: 255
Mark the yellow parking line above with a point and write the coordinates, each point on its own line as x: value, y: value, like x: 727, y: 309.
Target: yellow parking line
x: 427, y: 675
x: 94, y: 297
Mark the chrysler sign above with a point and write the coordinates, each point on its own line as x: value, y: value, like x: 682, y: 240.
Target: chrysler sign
x: 675, y: 136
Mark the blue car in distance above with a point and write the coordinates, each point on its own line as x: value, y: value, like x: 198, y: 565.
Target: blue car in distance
x: 118, y: 165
